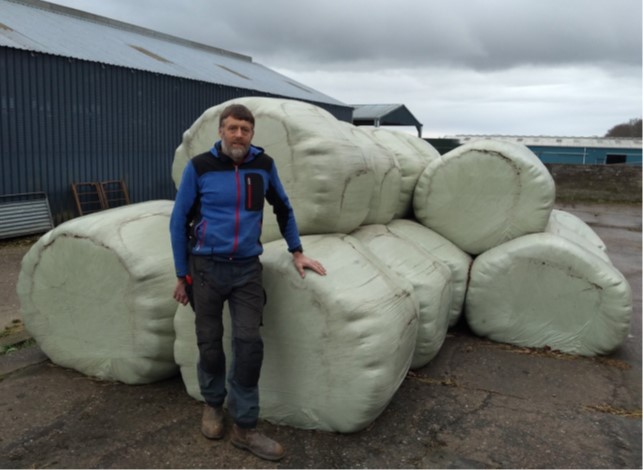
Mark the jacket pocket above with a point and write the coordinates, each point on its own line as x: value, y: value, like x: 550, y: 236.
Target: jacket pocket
x: 254, y: 187
x: 199, y: 233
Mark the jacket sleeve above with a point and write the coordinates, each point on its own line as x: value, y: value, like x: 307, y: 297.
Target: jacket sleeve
x: 277, y: 197
x: 185, y: 199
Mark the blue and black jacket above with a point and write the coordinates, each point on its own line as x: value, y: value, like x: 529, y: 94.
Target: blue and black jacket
x: 219, y: 207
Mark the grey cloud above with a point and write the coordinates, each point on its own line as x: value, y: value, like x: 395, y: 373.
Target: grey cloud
x: 493, y: 34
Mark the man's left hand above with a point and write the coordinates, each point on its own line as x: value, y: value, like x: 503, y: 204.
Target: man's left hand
x: 303, y: 262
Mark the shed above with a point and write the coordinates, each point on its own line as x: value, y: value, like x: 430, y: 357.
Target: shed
x: 84, y: 98
x: 385, y: 115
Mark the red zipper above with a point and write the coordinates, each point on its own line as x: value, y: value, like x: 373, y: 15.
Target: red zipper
x: 237, y: 215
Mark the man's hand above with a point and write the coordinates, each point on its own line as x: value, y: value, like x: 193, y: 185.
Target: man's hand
x: 180, y: 295
x: 302, y: 262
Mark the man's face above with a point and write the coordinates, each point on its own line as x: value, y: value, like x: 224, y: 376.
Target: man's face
x: 236, y: 136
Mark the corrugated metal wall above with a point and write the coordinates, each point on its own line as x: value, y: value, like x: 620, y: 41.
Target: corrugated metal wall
x: 587, y: 155
x: 64, y: 121
x: 24, y: 214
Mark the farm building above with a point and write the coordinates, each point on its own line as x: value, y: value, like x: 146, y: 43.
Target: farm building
x: 377, y: 115
x: 87, y: 99
x: 573, y: 150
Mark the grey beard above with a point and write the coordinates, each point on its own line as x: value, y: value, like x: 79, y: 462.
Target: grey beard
x: 235, y: 153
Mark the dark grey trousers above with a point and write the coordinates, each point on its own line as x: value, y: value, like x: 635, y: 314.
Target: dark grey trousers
x: 239, y: 283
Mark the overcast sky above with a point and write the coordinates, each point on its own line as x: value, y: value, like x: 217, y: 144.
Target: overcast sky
x: 517, y: 67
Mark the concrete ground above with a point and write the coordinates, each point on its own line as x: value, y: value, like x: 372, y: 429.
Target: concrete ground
x: 478, y: 404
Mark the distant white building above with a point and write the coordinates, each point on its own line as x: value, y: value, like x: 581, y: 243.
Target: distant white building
x: 573, y: 150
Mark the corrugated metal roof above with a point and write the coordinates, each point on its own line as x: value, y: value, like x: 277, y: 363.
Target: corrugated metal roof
x: 373, y: 111
x: 385, y: 115
x: 553, y: 141
x: 39, y: 26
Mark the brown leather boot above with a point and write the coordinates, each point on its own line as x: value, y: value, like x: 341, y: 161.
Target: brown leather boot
x: 255, y: 442
x: 212, y: 422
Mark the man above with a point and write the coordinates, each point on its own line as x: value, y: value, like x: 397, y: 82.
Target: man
x: 221, y: 198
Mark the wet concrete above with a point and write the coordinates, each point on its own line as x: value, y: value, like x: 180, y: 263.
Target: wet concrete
x: 478, y: 404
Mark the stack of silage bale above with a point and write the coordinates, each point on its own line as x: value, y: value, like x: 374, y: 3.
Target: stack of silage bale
x: 408, y: 237
x: 541, y: 277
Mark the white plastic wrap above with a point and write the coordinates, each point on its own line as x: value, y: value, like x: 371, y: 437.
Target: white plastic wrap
x: 457, y: 260
x: 96, y: 294
x: 323, y: 169
x: 485, y: 193
x: 385, y: 192
x: 412, y: 158
x: 336, y: 348
x: 543, y: 290
x: 573, y: 228
x: 431, y: 281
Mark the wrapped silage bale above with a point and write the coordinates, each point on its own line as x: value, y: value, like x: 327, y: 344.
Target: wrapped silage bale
x: 325, y: 173
x: 431, y: 281
x: 387, y: 182
x: 428, y: 151
x: 436, y: 245
x: 412, y: 162
x: 567, y: 225
x: 543, y: 290
x: 96, y: 294
x: 485, y: 193
x: 336, y: 347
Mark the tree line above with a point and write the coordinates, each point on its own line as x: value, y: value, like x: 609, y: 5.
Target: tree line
x: 632, y: 128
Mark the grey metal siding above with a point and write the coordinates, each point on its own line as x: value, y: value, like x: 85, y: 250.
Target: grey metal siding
x: 24, y: 214
x: 65, y: 120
